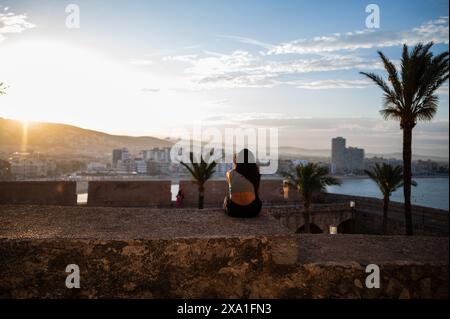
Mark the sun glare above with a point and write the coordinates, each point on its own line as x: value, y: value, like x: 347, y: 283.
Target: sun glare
x: 24, y: 143
x: 57, y: 82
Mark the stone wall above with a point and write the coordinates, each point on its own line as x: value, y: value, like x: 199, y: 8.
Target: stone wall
x: 270, y: 191
x: 426, y: 220
x: 38, y: 192
x: 298, y: 266
x: 143, y: 252
x: 129, y: 193
x: 321, y: 215
x: 215, y: 192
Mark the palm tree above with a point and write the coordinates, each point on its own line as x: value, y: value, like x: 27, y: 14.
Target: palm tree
x: 388, y: 179
x: 308, y: 180
x: 201, y: 172
x: 411, y: 97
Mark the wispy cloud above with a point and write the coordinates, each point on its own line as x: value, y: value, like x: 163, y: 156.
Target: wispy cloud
x: 435, y: 30
x: 141, y: 62
x: 13, y: 23
x: 274, y: 66
x: 150, y: 90
x: 251, y: 41
x: 333, y: 84
x: 245, y: 70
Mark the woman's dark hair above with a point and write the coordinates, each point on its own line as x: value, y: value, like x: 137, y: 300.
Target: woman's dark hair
x: 246, y: 166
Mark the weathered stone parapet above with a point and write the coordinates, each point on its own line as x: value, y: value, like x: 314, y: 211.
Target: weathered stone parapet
x: 239, y: 267
x: 189, y: 253
x: 321, y: 215
x: 426, y: 221
x: 215, y: 192
x: 270, y: 192
x: 38, y: 192
x: 129, y: 193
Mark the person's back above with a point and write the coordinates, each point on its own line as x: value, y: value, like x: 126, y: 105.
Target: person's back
x: 243, y: 181
x: 241, y: 190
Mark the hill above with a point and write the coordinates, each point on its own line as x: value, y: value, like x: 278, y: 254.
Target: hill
x: 62, y: 139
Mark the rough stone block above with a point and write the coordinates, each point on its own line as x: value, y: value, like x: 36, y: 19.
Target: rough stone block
x: 38, y: 193
x: 129, y: 193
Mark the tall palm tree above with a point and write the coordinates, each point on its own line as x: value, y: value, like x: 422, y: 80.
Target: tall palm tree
x: 411, y: 97
x: 388, y: 179
x: 308, y: 180
x: 201, y: 172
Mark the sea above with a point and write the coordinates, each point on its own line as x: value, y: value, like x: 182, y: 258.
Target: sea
x: 429, y: 192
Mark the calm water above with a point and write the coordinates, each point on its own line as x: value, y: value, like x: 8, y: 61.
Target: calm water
x: 430, y: 192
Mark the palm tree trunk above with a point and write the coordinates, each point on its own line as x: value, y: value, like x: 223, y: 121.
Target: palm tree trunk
x: 306, y: 216
x: 385, y: 214
x: 201, y: 196
x: 407, y: 157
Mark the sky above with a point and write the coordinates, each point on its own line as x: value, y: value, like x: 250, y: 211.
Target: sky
x: 148, y: 67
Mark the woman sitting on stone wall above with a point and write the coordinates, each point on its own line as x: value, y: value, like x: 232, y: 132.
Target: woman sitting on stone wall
x: 243, y: 181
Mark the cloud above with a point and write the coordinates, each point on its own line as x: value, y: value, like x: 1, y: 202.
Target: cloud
x: 13, y: 23
x: 249, y: 41
x: 150, y: 90
x: 271, y: 68
x: 180, y: 58
x: 434, y: 30
x: 141, y: 62
x: 241, y: 69
x: 333, y: 84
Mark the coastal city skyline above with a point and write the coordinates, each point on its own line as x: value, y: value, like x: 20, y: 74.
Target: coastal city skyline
x: 302, y: 80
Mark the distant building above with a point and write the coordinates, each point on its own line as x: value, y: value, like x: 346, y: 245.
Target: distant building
x: 141, y: 166
x: 157, y: 154
x: 354, y: 159
x: 26, y: 165
x: 94, y: 167
x: 126, y: 166
x: 369, y: 163
x: 345, y: 160
x: 5, y: 170
x: 338, y: 154
x: 157, y: 160
x: 32, y: 168
x: 121, y: 154
x: 122, y: 161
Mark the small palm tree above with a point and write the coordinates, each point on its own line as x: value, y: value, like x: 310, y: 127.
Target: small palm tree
x: 201, y: 172
x: 411, y: 97
x: 388, y: 179
x: 308, y: 180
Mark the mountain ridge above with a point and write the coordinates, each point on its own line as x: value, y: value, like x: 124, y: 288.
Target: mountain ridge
x: 65, y: 139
